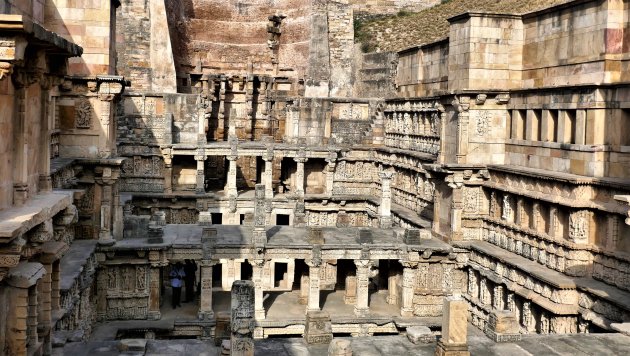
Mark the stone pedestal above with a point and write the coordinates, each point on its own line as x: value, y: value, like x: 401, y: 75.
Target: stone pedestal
x: 454, y: 328
x: 502, y: 326
x: 318, y: 329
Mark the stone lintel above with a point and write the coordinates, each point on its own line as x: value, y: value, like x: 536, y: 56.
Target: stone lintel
x: 25, y: 274
x: 53, y: 251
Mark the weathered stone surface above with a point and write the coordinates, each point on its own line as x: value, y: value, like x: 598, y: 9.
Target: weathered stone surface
x: 420, y: 334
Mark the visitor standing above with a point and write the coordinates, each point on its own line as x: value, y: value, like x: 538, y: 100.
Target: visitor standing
x: 177, y: 274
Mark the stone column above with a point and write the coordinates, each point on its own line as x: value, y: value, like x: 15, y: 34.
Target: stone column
x: 350, y: 295
x: 330, y: 174
x: 313, y: 290
x: 511, y: 306
x: 409, y: 271
x: 392, y: 289
x: 498, y: 297
x: 205, y: 300
x: 154, y: 293
x: 268, y: 175
x: 385, y: 210
x: 454, y: 328
x: 201, y: 174
x: 361, y: 308
x: 483, y: 290
x: 242, y: 323
x: 299, y: 175
x: 473, y: 287
x: 105, y: 179
x: 22, y: 306
x: 168, y: 173
x: 257, y: 277
x: 230, y: 188
x: 304, y: 289
x: 462, y: 105
x: 528, y: 320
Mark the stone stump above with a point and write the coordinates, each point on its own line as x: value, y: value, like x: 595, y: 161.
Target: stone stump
x: 318, y: 329
x: 420, y: 334
x: 242, y: 324
x: 340, y: 347
x: 502, y: 326
x: 454, y: 328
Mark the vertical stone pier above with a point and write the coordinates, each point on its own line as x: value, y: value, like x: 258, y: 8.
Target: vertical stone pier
x: 242, y: 324
x: 454, y: 328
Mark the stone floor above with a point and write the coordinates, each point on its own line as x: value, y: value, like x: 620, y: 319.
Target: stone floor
x: 397, y: 345
x: 479, y: 344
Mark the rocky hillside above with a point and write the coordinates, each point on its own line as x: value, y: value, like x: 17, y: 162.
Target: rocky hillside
x: 406, y: 29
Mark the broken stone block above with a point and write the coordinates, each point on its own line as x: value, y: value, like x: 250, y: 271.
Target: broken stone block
x: 502, y: 326
x: 420, y: 334
x: 318, y: 328
x: 340, y: 347
x: 59, y: 338
x: 76, y: 335
x: 412, y: 237
x: 126, y: 345
x: 623, y: 328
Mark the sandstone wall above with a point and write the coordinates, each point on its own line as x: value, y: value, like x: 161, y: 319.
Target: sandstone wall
x: 91, y: 25
x: 390, y: 6
x: 423, y: 71
x: 144, y: 50
x: 230, y: 36
x: 576, y: 45
x: 31, y: 10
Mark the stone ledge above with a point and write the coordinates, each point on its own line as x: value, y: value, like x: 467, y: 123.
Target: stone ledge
x: 18, y: 220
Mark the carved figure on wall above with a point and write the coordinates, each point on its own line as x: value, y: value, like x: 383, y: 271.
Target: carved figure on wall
x: 83, y: 114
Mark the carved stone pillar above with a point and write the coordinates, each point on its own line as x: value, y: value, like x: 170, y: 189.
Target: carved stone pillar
x: 268, y: 175
x: 299, y: 175
x: 205, y: 300
x: 314, y: 278
x: 230, y: 188
x: 462, y: 105
x: 579, y: 226
x: 201, y: 174
x: 473, y: 286
x: 168, y: 170
x: 304, y: 289
x: 361, y: 308
x: 385, y: 210
x: 154, y: 293
x: 528, y: 319
x: 409, y: 272
x: 330, y: 175
x: 483, y: 290
x: 105, y: 180
x: 350, y: 295
x: 511, y: 306
x: 498, y: 297
x: 392, y: 289
x: 257, y: 278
